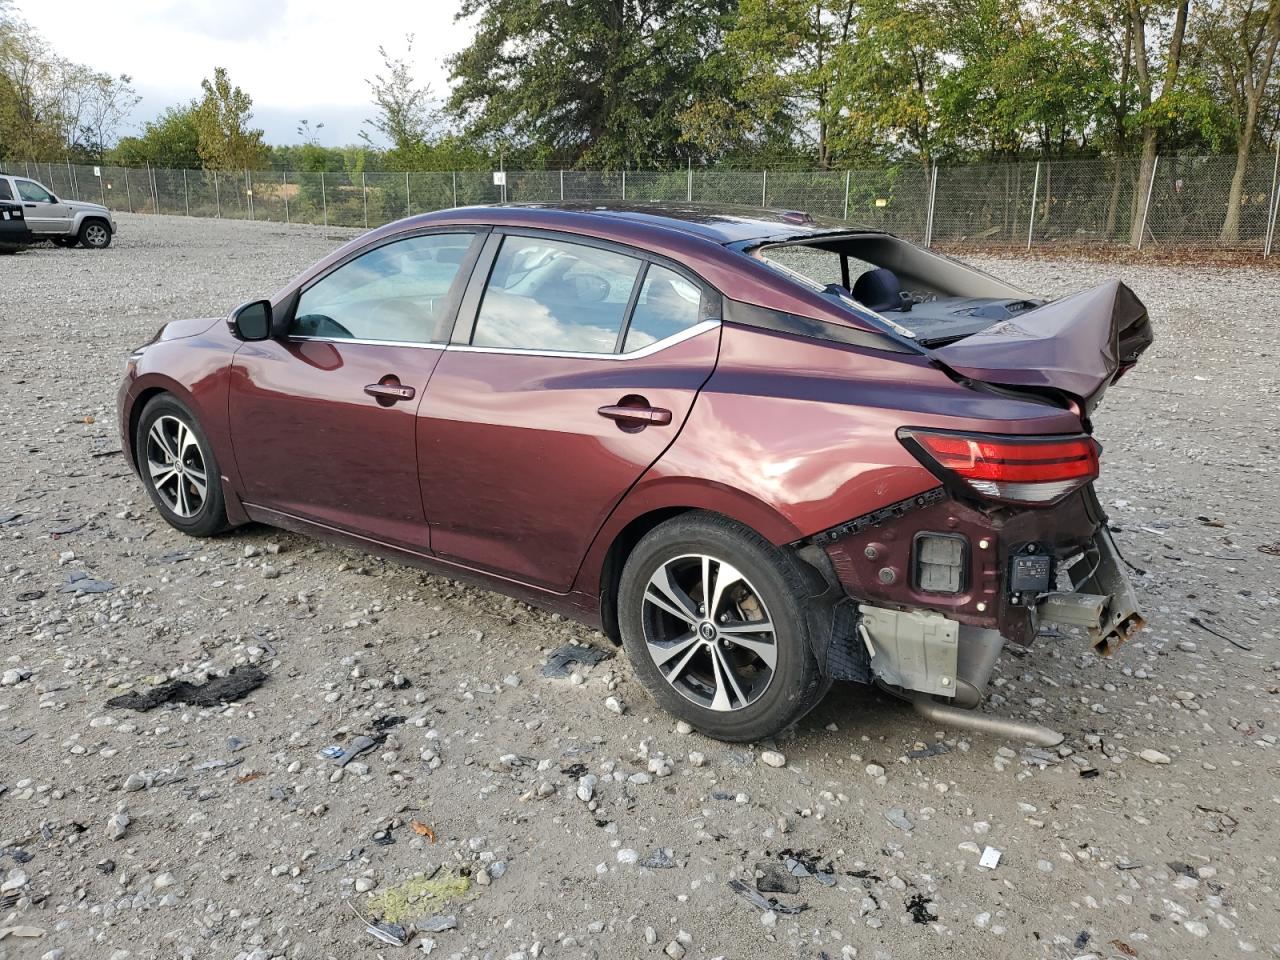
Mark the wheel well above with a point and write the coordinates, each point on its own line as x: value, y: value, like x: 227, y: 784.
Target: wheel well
x: 92, y: 218
x: 135, y: 415
x: 616, y: 559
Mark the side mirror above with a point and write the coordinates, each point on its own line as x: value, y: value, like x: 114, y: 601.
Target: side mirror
x: 252, y: 320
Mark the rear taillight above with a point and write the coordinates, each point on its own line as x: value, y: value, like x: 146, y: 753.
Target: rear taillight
x: 1031, y: 470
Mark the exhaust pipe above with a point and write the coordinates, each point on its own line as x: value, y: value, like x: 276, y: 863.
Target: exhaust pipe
x: 985, y: 723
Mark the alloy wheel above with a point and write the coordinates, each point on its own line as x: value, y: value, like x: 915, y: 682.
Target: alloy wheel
x: 709, y: 633
x: 95, y: 235
x: 176, y: 466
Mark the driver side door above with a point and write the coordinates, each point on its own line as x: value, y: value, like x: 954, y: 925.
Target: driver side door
x: 322, y: 419
x: 43, y: 211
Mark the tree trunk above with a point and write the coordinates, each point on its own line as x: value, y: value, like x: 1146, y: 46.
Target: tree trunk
x: 1142, y: 189
x: 1230, y: 232
x: 1113, y: 205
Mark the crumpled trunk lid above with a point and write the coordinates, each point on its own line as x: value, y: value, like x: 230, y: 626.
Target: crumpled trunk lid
x: 1078, y: 345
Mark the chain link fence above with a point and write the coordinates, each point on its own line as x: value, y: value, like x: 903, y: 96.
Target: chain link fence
x: 1185, y: 202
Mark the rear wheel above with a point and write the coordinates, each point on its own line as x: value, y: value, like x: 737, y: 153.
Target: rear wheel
x: 95, y: 234
x: 712, y: 619
x: 178, y: 468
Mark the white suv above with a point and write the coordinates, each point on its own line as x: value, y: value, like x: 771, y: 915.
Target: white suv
x: 65, y: 222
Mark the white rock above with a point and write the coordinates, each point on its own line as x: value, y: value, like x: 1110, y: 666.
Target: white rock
x: 117, y: 826
x: 365, y: 884
x: 696, y: 758
x: 773, y: 758
x: 1195, y: 928
x: 875, y: 770
x: 1154, y: 756
x: 587, y: 787
x: 163, y: 880
x: 627, y: 855
x: 615, y: 705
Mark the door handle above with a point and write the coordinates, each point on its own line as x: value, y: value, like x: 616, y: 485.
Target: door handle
x: 389, y: 390
x: 626, y: 415
x: 29, y: 206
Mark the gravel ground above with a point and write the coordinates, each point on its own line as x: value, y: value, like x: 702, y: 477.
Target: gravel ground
x: 225, y: 833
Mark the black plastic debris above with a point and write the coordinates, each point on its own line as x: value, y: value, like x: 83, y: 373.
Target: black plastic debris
x: 31, y: 595
x: 391, y: 933
x: 1183, y: 869
x: 921, y: 909
x: 383, y: 724
x: 574, y: 771
x: 562, y: 659
x: 933, y: 750
x: 237, y: 683
x: 775, y: 878
x: 1081, y: 939
x: 81, y: 582
x: 383, y: 838
x: 763, y: 903
x: 1090, y: 773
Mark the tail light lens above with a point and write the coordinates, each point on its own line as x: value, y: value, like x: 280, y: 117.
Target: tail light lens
x: 1029, y: 470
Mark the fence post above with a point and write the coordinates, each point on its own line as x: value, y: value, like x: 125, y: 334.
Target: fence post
x: 71, y: 180
x: 455, y: 188
x: 562, y: 184
x: 128, y: 194
x: 1275, y: 204
x: 624, y: 184
x: 324, y: 199
x: 928, y: 217
x: 217, y: 194
x: 364, y: 193
x: 846, y: 194
x: 689, y: 192
x: 102, y: 187
x: 186, y: 193
x: 764, y: 188
x: 1035, y: 196
x: 248, y: 192
x: 1146, y: 207
x: 406, y: 194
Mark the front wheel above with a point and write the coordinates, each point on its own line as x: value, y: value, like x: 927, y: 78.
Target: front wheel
x: 712, y: 619
x: 178, y: 468
x: 95, y: 234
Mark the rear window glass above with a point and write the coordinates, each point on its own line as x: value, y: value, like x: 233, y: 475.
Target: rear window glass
x: 5, y: 192
x: 667, y: 305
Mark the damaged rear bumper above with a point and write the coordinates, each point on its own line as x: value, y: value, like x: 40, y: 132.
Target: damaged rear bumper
x: 917, y: 629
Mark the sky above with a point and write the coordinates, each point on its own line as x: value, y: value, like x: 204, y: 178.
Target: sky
x: 298, y: 59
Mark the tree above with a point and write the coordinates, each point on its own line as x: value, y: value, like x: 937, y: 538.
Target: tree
x: 789, y: 53
x: 222, y: 117
x: 171, y: 140
x: 590, y: 82
x: 110, y: 102
x: 1157, y: 89
x: 1240, y: 38
x: 406, y: 115
x: 886, y: 89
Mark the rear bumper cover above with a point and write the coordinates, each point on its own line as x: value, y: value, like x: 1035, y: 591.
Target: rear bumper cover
x: 945, y: 644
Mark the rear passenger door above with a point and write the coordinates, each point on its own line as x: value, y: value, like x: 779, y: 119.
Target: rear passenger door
x: 573, y: 366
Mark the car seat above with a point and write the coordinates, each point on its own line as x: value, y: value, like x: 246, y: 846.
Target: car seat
x: 879, y: 289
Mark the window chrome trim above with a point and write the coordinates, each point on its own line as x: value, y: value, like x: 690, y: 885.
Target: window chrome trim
x: 686, y: 334
x: 298, y: 338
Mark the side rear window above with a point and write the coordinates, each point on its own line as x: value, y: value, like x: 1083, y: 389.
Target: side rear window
x: 556, y: 296
x: 5, y: 192
x: 401, y: 291
x: 667, y: 305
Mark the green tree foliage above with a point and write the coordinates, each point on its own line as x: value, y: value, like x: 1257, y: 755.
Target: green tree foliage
x: 588, y: 82
x: 51, y: 108
x: 222, y: 117
x: 170, y: 140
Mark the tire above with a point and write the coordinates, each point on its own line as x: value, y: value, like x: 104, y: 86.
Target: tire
x: 765, y: 586
x: 65, y: 241
x: 168, y: 427
x: 95, y: 234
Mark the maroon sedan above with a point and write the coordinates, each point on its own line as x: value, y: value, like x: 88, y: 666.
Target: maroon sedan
x: 760, y: 451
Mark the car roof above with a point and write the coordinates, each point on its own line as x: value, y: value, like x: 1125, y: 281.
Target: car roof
x: 722, y: 224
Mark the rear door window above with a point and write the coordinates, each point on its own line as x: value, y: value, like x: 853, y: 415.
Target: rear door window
x: 401, y: 292
x: 5, y: 192
x: 555, y: 296
x: 668, y: 304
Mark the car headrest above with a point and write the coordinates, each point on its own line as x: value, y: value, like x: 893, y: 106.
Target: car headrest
x: 878, y: 289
